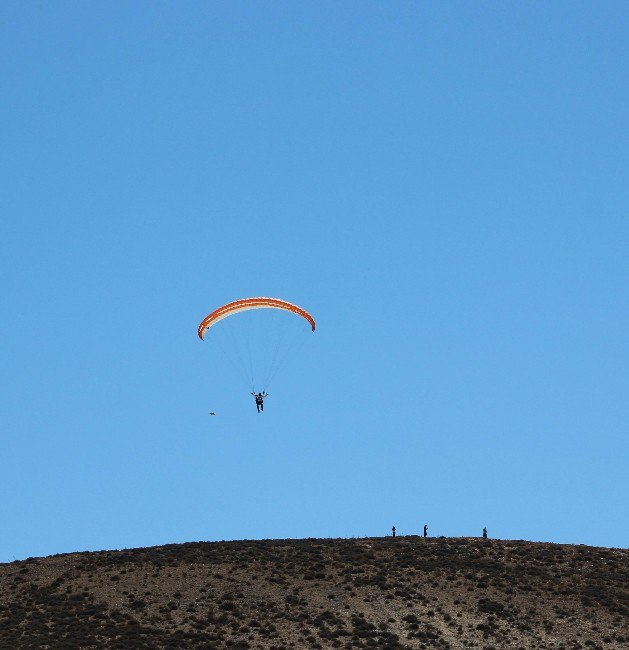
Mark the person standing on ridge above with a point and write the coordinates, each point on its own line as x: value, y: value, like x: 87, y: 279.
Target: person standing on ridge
x: 485, y: 533
x: 393, y: 531
x: 425, y: 530
x: 259, y: 397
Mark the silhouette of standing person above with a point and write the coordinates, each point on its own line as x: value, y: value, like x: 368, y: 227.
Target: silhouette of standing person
x: 425, y: 530
x: 485, y: 533
x: 393, y: 531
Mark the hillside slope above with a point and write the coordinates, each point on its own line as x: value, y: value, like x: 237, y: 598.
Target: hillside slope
x: 327, y: 593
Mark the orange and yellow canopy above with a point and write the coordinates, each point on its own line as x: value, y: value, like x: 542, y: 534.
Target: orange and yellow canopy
x: 251, y: 303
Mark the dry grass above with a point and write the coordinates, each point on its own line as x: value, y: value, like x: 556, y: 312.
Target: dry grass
x: 378, y: 593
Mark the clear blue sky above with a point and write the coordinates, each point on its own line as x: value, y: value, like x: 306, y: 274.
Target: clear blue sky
x: 445, y: 185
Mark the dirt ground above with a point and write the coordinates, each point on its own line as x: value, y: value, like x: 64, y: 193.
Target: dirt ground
x: 405, y: 592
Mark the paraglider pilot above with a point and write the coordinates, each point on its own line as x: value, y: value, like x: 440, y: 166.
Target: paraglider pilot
x: 259, y: 397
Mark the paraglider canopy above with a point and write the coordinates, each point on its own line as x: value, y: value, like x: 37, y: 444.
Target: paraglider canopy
x: 246, y: 304
x: 256, y: 343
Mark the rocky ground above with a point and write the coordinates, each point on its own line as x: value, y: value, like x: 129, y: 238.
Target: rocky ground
x: 321, y: 593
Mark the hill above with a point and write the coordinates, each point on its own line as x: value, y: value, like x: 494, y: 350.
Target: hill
x: 322, y: 593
